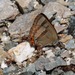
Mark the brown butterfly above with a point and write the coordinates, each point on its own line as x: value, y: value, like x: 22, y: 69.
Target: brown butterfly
x: 42, y: 32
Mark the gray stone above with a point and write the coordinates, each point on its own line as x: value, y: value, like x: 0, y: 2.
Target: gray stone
x: 65, y: 54
x: 72, y: 61
x: 57, y: 72
x: 22, y: 24
x: 71, y: 0
x: 7, y: 9
x: 50, y: 66
x: 55, y: 7
x: 2, y: 29
x: 72, y: 7
x: 60, y: 62
x: 46, y: 48
x: 39, y: 64
x: 49, y: 54
x: 47, y: 1
x: 58, y: 51
x: 69, y: 73
x: 67, y: 14
x: 9, y: 69
x: 26, y: 73
x: 70, y: 44
x: 9, y: 45
x: 31, y: 68
x: 40, y: 73
x: 71, y: 29
x: 28, y: 5
x: 3, y: 54
x: 24, y: 3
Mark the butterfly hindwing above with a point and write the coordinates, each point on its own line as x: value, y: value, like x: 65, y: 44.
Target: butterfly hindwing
x: 42, y: 31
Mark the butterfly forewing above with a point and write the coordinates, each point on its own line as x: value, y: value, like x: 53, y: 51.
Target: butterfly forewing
x: 42, y: 31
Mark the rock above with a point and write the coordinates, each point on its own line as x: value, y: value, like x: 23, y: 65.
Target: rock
x: 1, y: 72
x: 26, y: 73
x: 39, y: 64
x: 40, y: 73
x: 60, y: 28
x: 49, y: 54
x: 67, y: 14
x: 57, y: 72
x: 68, y: 60
x: 63, y: 21
x: 45, y: 48
x: 69, y: 73
x: 57, y: 51
x: 73, y: 53
x: 23, y: 3
x: 21, y: 52
x: 7, y: 9
x: 3, y: 65
x: 70, y: 44
x: 47, y: 1
x: 9, y: 69
x: 71, y: 28
x: 60, y: 24
x: 9, y: 45
x: 55, y: 7
x: 2, y: 29
x: 66, y: 2
x: 3, y: 54
x: 72, y: 7
x: 63, y: 2
x: 65, y: 54
x: 29, y: 5
x: 5, y: 39
x: 50, y: 66
x: 24, y: 64
x: 60, y: 61
x: 65, y: 38
x: 72, y: 61
x: 43, y: 73
x: 22, y: 24
x: 71, y: 0
x: 31, y: 68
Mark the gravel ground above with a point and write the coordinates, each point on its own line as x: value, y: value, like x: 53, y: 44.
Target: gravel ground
x: 18, y: 23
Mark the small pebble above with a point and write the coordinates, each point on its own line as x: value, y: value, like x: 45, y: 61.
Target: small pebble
x: 70, y: 44
x: 69, y: 73
x: 49, y: 54
x: 65, y: 54
x: 5, y: 38
x: 72, y: 61
x: 68, y: 60
x: 4, y: 65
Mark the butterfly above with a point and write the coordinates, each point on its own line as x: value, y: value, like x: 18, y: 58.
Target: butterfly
x: 42, y: 32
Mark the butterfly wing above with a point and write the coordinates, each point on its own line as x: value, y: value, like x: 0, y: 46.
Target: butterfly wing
x: 42, y: 31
